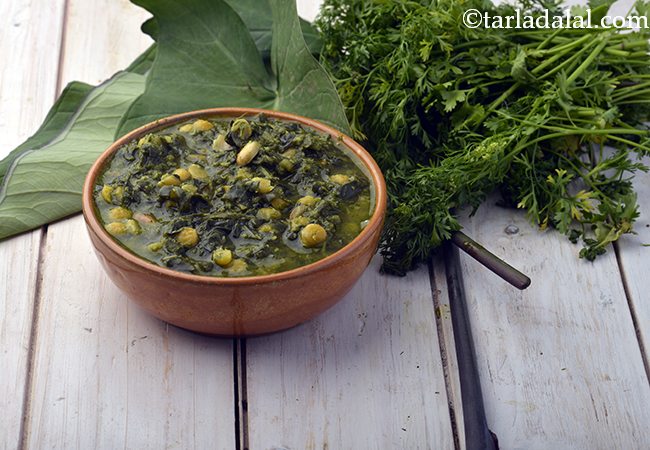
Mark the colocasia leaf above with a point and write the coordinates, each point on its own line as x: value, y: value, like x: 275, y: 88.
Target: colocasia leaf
x: 258, y: 17
x: 41, y: 180
x: 60, y: 114
x: 207, y: 58
x: 44, y: 179
x: 303, y: 86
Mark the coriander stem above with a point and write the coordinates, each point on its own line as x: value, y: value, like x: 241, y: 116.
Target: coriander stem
x: 568, y: 61
x: 624, y: 95
x: 616, y: 52
x: 558, y: 52
x: 632, y: 143
x: 573, y: 131
x: 587, y: 62
x: 569, y: 45
x: 502, y: 98
x: 552, y: 60
x: 639, y: 54
x: 643, y: 43
x: 549, y: 39
x: 634, y: 102
x: 622, y: 124
x: 631, y: 87
x: 543, y: 138
x: 642, y: 76
x: 578, y: 170
x: 628, y: 62
x: 475, y: 43
x: 495, y: 103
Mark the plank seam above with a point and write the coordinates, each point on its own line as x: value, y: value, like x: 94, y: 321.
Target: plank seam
x: 632, y: 309
x: 235, y: 376
x: 33, y: 338
x: 33, y: 334
x: 64, y: 34
x: 243, y: 394
x: 241, y: 400
x: 443, y: 355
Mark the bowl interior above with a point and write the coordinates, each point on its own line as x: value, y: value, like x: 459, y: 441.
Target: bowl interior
x: 355, y: 151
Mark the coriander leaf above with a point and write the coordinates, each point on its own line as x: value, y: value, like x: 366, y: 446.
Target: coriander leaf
x: 451, y: 113
x: 43, y: 183
x: 452, y: 98
x: 207, y: 58
x: 519, y: 69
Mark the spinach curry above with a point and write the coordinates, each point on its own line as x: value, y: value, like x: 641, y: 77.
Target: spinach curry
x: 233, y: 197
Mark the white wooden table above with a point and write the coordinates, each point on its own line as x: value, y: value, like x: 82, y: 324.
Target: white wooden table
x: 562, y: 364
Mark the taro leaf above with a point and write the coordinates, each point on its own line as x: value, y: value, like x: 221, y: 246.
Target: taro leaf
x: 303, y: 86
x: 143, y: 63
x: 64, y: 109
x: 59, y: 115
x: 44, y: 181
x: 30, y: 193
x: 257, y: 16
x: 207, y: 58
x: 150, y: 28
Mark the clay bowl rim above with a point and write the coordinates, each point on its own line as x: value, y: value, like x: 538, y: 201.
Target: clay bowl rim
x: 361, y: 154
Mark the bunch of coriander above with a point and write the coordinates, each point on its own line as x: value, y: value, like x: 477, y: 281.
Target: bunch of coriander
x: 453, y: 113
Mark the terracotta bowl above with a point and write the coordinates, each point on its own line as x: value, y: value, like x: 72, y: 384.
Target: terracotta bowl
x: 246, y: 305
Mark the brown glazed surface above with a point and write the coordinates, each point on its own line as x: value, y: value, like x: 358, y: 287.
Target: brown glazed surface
x: 236, y: 306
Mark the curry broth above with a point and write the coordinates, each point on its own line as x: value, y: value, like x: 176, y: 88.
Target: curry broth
x: 233, y: 197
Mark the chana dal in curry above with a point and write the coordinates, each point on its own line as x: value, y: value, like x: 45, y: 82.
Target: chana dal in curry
x: 233, y: 197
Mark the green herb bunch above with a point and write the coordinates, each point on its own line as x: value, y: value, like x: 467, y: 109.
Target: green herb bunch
x: 453, y: 113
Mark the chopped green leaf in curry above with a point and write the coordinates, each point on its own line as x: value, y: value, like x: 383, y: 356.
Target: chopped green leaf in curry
x: 240, y: 197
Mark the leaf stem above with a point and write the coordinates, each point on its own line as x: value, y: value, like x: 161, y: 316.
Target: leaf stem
x: 569, y: 61
x: 633, y: 93
x: 587, y: 62
x: 631, y: 143
x: 490, y: 260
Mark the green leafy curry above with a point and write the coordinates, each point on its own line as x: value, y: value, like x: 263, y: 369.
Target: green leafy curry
x: 233, y: 197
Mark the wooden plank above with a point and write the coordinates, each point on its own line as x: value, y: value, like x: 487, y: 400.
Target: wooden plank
x: 634, y: 257
x: 27, y: 88
x: 102, y: 37
x: 559, y: 362
x: 106, y: 374
x: 18, y: 262
x: 365, y: 374
x: 31, y: 38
